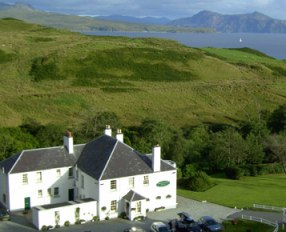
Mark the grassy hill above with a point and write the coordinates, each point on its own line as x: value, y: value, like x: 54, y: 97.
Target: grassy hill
x: 56, y: 76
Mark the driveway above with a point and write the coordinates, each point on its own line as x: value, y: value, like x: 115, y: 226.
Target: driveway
x: 20, y: 223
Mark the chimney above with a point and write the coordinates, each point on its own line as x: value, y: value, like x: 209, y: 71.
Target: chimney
x: 68, y: 142
x: 108, y: 130
x: 119, y: 135
x: 156, y: 158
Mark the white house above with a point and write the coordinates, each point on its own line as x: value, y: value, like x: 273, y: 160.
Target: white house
x: 118, y: 178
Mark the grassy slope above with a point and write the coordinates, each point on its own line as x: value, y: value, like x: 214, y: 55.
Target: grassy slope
x: 135, y: 78
x: 245, y: 192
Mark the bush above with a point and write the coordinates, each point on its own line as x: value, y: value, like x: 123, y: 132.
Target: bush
x: 67, y: 223
x: 199, y: 182
x: 233, y: 173
x: 44, y: 228
x: 123, y: 215
x: 95, y: 218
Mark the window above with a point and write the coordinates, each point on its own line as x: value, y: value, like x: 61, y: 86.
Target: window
x: 58, y: 172
x: 113, y: 185
x: 146, y: 180
x: 49, y: 190
x: 138, y: 207
x: 82, y: 181
x: 113, y: 205
x: 39, y: 177
x: 76, y: 174
x: 4, y: 197
x: 25, y: 179
x: 70, y: 172
x: 131, y: 182
x: 56, y: 191
x: 40, y: 193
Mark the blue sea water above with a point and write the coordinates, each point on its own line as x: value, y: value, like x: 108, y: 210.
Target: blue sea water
x: 271, y: 44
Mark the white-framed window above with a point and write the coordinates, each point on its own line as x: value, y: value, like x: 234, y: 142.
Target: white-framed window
x: 40, y: 193
x: 25, y: 178
x: 82, y: 181
x: 113, y: 186
x: 39, y: 177
x: 131, y: 182
x: 146, y: 180
x: 58, y: 172
x: 70, y: 172
x: 138, y: 206
x: 56, y: 191
x: 113, y: 206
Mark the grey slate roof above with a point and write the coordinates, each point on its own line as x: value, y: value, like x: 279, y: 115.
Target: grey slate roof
x: 107, y: 158
x: 41, y: 159
x: 133, y: 196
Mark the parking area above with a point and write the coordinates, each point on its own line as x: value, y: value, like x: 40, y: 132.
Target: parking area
x: 21, y: 223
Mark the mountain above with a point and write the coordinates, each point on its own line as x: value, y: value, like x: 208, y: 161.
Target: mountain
x: 130, y: 19
x: 80, y: 23
x: 246, y: 23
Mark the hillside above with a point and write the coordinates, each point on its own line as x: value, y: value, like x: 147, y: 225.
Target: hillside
x: 246, y: 23
x: 56, y: 76
x: 80, y: 23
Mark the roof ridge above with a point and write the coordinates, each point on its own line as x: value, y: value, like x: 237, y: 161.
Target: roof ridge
x: 111, y: 154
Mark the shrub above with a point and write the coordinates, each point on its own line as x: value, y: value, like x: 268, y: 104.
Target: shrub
x: 123, y: 215
x: 106, y: 218
x: 44, y: 228
x: 199, y: 182
x: 95, y: 218
x: 67, y: 223
x: 233, y: 173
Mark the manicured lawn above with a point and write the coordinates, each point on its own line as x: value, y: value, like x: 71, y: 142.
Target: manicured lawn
x: 244, y: 226
x: 267, y: 190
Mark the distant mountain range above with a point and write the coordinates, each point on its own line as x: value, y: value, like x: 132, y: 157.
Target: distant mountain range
x: 254, y: 22
x: 142, y: 20
x: 204, y: 21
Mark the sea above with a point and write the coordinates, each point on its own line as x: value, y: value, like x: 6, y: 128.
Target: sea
x: 273, y: 45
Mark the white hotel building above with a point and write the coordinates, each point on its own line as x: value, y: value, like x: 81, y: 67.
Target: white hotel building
x: 106, y: 172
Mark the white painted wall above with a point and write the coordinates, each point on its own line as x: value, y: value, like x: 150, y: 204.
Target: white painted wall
x: 46, y: 217
x: 49, y: 180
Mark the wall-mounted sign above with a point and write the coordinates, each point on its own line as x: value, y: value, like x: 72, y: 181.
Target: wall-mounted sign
x: 163, y: 183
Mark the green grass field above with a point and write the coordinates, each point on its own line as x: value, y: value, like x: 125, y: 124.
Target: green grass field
x: 56, y: 76
x: 243, y: 226
x: 266, y: 190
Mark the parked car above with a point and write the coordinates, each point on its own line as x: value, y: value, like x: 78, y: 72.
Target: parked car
x: 159, y: 227
x: 4, y: 215
x: 134, y: 228
x: 184, y: 226
x: 185, y: 218
x: 209, y: 224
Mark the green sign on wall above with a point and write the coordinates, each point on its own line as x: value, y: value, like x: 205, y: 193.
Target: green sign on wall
x: 163, y: 183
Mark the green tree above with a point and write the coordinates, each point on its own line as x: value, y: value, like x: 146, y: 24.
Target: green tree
x: 277, y: 120
x: 277, y: 145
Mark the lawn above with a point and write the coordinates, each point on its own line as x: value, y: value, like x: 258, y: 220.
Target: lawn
x: 247, y: 226
x: 267, y: 190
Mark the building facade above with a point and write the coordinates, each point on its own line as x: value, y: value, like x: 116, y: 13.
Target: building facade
x: 120, y: 179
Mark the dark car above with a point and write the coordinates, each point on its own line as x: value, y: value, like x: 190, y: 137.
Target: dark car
x: 209, y: 224
x: 185, y: 224
x: 134, y: 228
x: 4, y: 215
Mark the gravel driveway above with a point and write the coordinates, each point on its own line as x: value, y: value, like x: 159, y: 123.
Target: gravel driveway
x: 195, y: 208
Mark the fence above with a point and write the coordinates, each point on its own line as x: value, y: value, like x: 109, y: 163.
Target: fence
x: 261, y: 220
x: 267, y: 207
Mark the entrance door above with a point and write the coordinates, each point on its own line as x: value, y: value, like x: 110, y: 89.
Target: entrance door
x: 27, y: 203
x: 71, y: 194
x: 127, y: 208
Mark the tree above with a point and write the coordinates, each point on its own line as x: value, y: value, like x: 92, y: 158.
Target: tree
x: 277, y: 120
x: 277, y: 145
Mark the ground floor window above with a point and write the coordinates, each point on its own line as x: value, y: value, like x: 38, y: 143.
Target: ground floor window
x: 138, y: 207
x: 113, y: 206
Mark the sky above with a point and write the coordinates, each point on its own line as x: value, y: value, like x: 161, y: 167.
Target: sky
x: 159, y: 8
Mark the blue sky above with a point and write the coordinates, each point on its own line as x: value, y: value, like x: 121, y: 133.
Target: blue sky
x: 166, y: 8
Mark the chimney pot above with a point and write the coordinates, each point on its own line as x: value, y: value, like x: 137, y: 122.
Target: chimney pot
x: 119, y: 135
x: 108, y: 130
